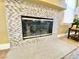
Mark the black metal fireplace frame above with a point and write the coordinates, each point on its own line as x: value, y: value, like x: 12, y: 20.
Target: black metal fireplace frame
x: 23, y: 16
x: 35, y: 17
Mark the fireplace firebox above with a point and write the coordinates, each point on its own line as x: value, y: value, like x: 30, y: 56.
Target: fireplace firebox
x: 36, y: 26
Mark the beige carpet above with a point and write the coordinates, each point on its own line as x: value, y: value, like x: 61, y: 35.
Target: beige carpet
x: 72, y: 55
x: 3, y: 53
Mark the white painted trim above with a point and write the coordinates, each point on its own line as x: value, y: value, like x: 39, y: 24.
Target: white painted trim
x: 61, y: 35
x: 4, y: 46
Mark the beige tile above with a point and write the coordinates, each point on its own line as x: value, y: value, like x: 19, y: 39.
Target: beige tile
x: 45, y: 49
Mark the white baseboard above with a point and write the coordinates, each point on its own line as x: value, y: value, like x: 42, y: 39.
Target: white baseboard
x: 61, y: 35
x: 4, y: 46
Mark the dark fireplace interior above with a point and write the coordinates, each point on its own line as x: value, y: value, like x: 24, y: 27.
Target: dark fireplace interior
x: 36, y: 26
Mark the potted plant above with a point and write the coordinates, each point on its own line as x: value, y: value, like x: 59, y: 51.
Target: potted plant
x: 76, y: 21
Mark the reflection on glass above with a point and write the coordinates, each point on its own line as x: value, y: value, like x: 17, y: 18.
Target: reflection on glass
x: 36, y: 27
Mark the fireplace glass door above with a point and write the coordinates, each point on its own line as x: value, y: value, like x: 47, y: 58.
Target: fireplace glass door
x: 34, y: 27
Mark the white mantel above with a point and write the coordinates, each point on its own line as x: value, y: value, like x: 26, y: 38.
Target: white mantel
x: 59, y: 3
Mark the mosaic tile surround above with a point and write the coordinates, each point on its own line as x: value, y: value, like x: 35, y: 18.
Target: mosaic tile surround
x: 16, y: 8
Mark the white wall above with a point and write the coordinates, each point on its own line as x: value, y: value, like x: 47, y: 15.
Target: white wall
x: 70, y: 11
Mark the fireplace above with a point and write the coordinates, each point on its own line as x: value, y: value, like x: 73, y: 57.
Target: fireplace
x: 36, y: 26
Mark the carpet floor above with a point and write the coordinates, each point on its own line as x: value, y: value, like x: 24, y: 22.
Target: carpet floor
x: 72, y: 55
x: 3, y: 53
